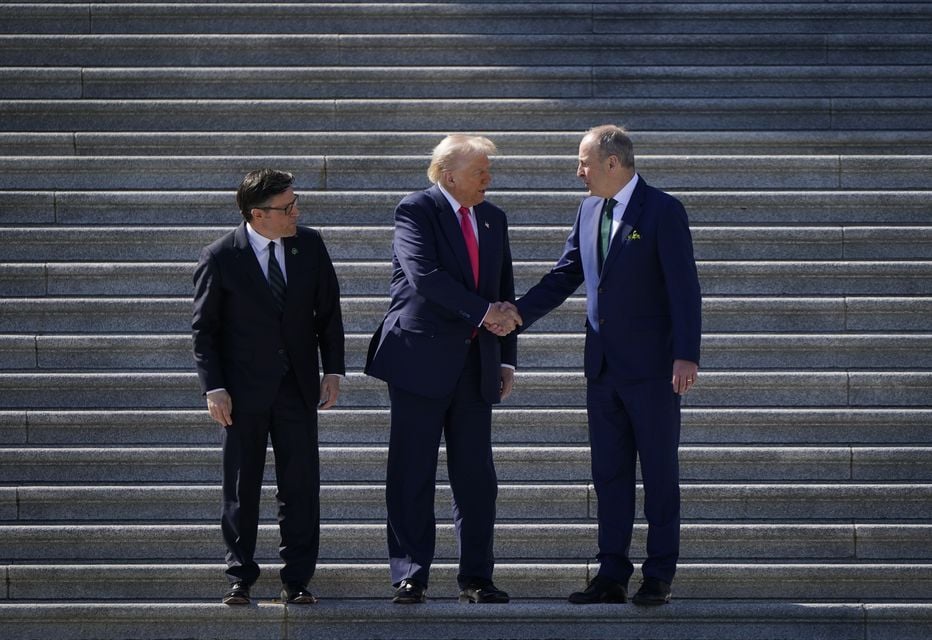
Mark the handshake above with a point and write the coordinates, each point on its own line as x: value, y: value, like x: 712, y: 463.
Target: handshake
x: 502, y: 318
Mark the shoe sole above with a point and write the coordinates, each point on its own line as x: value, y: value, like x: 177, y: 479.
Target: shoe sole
x: 236, y: 601
x: 642, y: 602
x: 409, y: 600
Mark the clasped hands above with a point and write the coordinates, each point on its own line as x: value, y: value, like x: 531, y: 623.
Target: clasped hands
x: 502, y: 318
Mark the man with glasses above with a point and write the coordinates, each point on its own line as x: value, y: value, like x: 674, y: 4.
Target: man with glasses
x: 266, y: 301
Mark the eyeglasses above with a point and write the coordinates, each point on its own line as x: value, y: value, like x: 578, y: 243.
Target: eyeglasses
x: 287, y: 209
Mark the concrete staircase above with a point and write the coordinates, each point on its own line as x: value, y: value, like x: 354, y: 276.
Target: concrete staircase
x: 799, y: 136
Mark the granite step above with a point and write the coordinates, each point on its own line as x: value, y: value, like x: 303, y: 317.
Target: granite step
x: 537, y: 351
x: 160, y: 582
x: 770, y: 502
x: 371, y: 278
x: 343, y: 619
x: 296, y: 143
x: 653, y: 49
x: 810, y: 242
x: 553, y: 426
x: 504, y: 18
x: 172, y: 390
x: 538, y: 464
x: 63, y: 313
x: 583, y: 81
x: 333, y: 208
x: 568, y: 114
x: 354, y: 543
x: 511, y: 172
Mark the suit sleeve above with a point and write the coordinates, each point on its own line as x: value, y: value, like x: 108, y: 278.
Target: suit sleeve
x: 416, y: 246
x: 557, y: 285
x: 507, y: 289
x: 205, y: 323
x: 328, y: 319
x: 679, y: 271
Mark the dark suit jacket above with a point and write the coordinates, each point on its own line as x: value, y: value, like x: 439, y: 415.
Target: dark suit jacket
x: 644, y: 308
x: 240, y: 341
x: 422, y: 343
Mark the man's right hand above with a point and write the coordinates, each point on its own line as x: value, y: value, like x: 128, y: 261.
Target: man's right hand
x: 220, y: 405
x: 502, y: 318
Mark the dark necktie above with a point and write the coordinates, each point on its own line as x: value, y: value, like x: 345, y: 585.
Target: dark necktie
x: 605, y: 229
x: 276, y: 279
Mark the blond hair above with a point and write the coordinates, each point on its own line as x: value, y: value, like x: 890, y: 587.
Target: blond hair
x: 454, y: 150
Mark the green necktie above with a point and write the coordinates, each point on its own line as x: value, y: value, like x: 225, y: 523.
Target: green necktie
x: 605, y: 228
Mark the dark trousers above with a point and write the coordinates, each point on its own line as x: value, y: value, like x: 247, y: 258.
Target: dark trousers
x: 626, y: 422
x: 465, y: 420
x: 293, y: 430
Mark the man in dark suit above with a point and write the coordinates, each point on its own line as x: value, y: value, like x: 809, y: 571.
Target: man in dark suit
x: 632, y: 248
x: 451, y: 261
x: 266, y: 300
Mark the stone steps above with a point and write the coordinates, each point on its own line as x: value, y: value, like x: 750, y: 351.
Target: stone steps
x: 356, y: 620
x: 180, y: 582
x: 94, y: 208
x: 581, y: 81
x: 511, y: 172
x: 377, y: 143
x: 537, y: 351
x: 473, y: 49
x: 170, y: 389
x: 513, y: 426
x: 507, y: 18
x: 568, y: 114
x: 810, y: 242
x: 539, y: 463
x: 774, y: 502
x: 365, y: 543
x: 718, y: 277
x: 62, y: 313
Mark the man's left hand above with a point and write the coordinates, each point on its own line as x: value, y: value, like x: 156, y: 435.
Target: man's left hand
x: 684, y: 375
x: 508, y: 381
x: 329, y: 391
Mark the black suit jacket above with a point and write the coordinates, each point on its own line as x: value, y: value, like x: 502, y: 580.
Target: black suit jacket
x: 242, y: 344
x: 423, y: 341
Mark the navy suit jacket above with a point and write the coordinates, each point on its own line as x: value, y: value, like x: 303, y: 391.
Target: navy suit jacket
x: 422, y: 343
x: 643, y: 310
x: 242, y: 344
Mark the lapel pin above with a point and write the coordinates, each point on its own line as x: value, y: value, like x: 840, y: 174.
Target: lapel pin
x: 294, y: 251
x: 486, y: 225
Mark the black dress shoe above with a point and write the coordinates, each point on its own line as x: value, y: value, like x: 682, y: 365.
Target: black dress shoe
x: 601, y: 590
x: 483, y: 593
x: 410, y: 592
x: 294, y: 593
x: 238, y: 594
x: 652, y: 592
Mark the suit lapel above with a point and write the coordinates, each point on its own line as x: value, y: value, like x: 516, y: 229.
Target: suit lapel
x: 588, y: 236
x: 488, y: 244
x: 295, y: 272
x: 629, y: 222
x: 454, y: 234
x: 249, y: 263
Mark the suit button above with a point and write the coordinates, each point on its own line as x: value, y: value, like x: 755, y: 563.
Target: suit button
x: 281, y: 352
x: 468, y: 341
x: 601, y: 320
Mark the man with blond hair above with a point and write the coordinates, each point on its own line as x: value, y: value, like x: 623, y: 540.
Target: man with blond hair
x: 445, y: 367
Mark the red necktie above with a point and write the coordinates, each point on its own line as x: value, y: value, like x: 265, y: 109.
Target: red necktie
x: 472, y: 247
